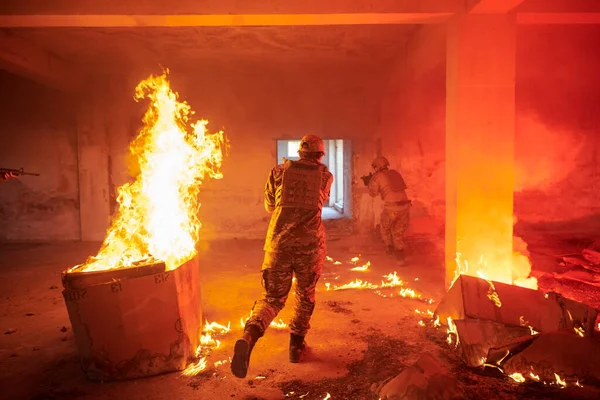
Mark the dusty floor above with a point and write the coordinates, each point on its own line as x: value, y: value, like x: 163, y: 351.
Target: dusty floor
x: 358, y: 337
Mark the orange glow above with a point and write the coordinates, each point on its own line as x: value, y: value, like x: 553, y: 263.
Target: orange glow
x: 392, y: 280
x: 278, y: 324
x: 157, y: 216
x: 522, y: 322
x: 533, y: 376
x: 274, y: 324
x: 451, y: 331
x: 208, y: 342
x: 513, y: 270
x: 356, y: 284
x: 362, y: 268
x: 559, y: 381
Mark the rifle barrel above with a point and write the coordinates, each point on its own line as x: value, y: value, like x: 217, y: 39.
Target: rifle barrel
x: 19, y: 171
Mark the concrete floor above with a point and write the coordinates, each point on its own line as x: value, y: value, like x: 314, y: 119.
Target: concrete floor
x: 357, y: 336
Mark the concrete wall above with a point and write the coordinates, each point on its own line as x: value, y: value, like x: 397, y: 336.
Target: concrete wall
x: 558, y: 129
x: 255, y: 107
x: 557, y: 144
x: 37, y: 133
x: 412, y: 125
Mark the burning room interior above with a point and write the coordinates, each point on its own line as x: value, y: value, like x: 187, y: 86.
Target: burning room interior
x: 136, y: 140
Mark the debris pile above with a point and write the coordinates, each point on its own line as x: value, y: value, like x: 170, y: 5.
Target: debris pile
x: 426, y: 379
x: 582, y: 267
x: 523, y: 333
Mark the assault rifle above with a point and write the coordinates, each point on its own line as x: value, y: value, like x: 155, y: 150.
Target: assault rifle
x: 16, y: 172
x: 367, y: 178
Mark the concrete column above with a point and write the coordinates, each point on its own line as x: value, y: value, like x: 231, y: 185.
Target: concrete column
x: 480, y: 130
x: 93, y: 151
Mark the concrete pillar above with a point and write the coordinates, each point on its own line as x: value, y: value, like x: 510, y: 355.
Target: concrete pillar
x: 480, y: 129
x: 93, y: 151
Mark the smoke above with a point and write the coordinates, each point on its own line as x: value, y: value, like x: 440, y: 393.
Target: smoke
x: 544, y: 155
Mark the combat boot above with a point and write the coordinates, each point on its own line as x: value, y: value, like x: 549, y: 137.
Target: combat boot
x: 297, y: 347
x: 243, y: 349
x: 389, y: 251
x: 400, y: 261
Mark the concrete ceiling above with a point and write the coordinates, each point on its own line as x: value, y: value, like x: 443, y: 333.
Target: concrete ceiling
x: 53, y: 41
x: 114, y: 49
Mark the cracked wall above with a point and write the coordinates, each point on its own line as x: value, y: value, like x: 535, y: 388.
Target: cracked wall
x: 38, y: 134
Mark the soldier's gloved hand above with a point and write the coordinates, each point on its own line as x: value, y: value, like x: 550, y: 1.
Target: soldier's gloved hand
x: 7, y: 175
x: 366, y: 179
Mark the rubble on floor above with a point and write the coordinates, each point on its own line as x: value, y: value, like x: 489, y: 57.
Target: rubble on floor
x: 582, y: 267
x: 526, y: 334
x: 426, y: 379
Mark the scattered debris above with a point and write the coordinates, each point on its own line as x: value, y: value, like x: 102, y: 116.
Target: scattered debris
x: 592, y: 256
x: 535, y: 336
x: 10, y: 331
x: 542, y: 357
x: 64, y: 329
x: 338, y: 306
x: 546, y: 312
x: 582, y: 267
x: 426, y: 379
x: 53, y: 287
x: 29, y: 314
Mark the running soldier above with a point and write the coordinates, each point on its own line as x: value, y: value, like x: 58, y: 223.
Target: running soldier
x: 295, y: 245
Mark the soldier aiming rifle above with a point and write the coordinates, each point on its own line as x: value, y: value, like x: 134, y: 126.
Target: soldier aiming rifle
x: 8, y: 173
x: 390, y: 185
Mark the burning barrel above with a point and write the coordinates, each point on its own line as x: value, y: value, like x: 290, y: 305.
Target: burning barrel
x: 135, y: 322
x: 133, y: 318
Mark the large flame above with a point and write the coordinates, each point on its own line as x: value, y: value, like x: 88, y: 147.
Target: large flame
x: 514, y: 271
x: 157, y: 218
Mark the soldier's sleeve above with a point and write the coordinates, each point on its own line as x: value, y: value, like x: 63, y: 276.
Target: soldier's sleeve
x: 374, y: 186
x: 270, y: 192
x: 327, y: 187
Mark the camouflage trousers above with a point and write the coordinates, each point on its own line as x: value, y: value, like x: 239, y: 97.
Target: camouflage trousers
x: 277, y: 272
x: 394, y: 221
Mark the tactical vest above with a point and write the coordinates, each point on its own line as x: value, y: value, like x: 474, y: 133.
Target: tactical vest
x: 301, y: 186
x: 391, y: 181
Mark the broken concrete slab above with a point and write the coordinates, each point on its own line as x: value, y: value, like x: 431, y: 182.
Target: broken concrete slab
x: 593, y: 256
x: 476, y: 337
x: 570, y: 356
x: 472, y: 297
x: 496, y: 355
x: 141, y: 324
x: 426, y: 379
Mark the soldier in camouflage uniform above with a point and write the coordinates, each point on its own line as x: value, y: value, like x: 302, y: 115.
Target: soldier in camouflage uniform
x: 396, y: 207
x: 295, y: 245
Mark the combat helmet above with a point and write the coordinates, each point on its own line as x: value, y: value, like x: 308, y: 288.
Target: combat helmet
x: 380, y: 163
x: 312, y: 144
